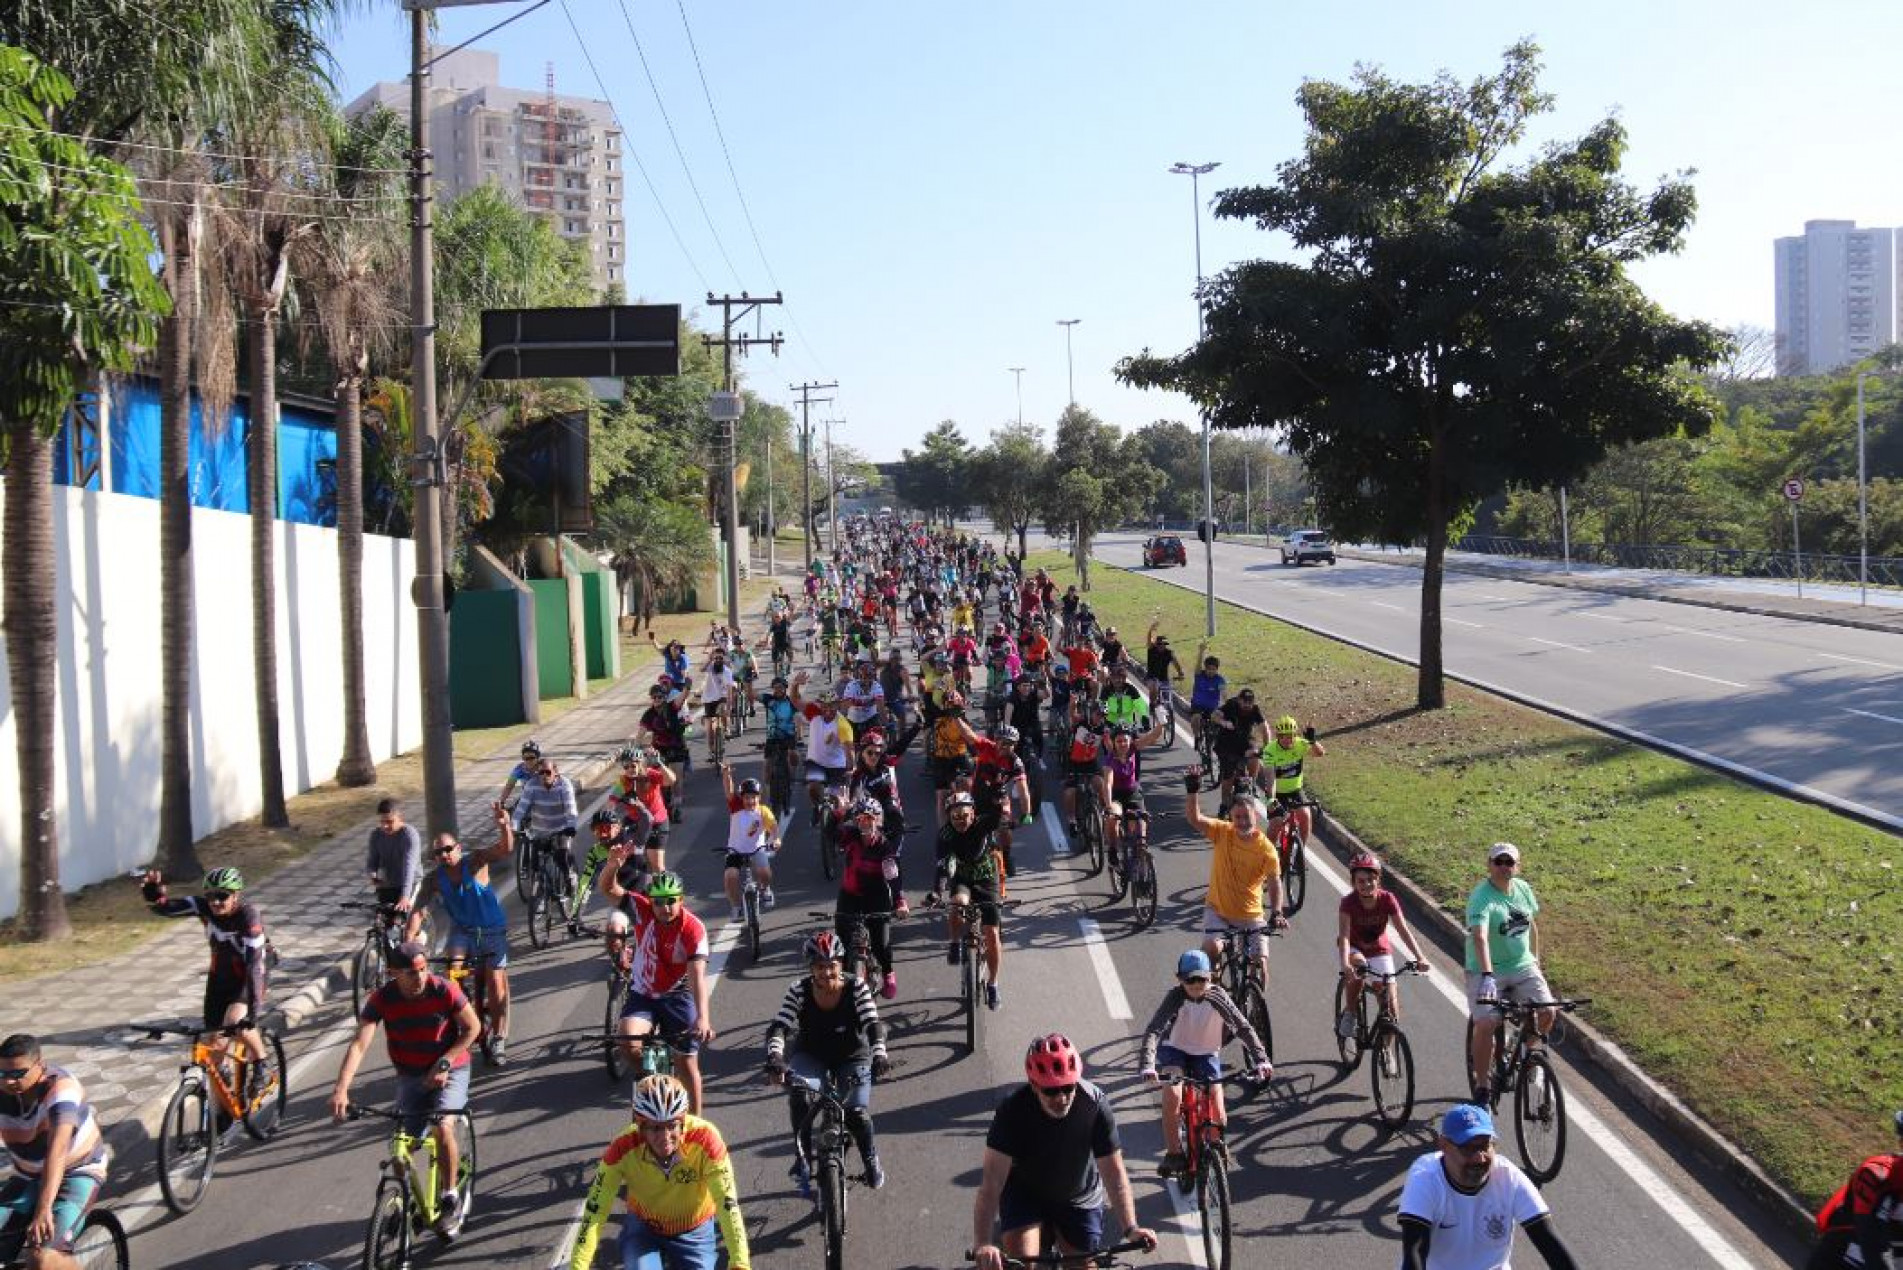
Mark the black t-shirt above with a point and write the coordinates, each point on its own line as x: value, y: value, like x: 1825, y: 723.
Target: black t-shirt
x: 1025, y: 713
x: 1156, y: 662
x: 1246, y: 719
x: 1113, y: 652
x: 1056, y: 1160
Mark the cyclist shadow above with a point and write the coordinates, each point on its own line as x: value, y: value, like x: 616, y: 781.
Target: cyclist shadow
x: 333, y: 1243
x: 1346, y: 1178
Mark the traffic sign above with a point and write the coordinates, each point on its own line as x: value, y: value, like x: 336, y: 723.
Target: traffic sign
x: 1794, y: 488
x: 601, y: 342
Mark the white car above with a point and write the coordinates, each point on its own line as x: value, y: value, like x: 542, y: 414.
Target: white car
x: 1302, y: 546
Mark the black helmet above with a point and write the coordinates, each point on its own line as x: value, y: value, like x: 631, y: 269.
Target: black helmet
x: 747, y: 786
x: 602, y: 817
x: 628, y: 755
x: 531, y: 748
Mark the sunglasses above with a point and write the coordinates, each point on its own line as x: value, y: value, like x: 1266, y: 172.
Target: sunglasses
x: 1509, y: 861
x: 443, y: 853
x: 660, y: 1126
x: 546, y: 773
x: 1204, y: 979
x: 14, y: 1073
x: 664, y: 901
x: 1059, y: 1094
x: 218, y: 896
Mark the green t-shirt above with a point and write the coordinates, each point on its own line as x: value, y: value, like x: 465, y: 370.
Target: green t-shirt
x: 1508, y: 918
x: 1286, y: 764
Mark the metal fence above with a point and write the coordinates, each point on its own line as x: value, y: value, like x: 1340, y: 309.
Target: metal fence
x: 1731, y: 562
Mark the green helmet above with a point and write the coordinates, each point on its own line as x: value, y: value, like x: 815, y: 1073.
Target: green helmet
x: 226, y: 879
x: 665, y: 886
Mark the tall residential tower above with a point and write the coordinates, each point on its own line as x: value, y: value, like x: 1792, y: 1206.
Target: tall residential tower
x: 1837, y: 296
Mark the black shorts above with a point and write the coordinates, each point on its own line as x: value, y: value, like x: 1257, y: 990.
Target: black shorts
x: 1076, y: 773
x: 947, y: 770
x: 744, y: 860
x: 1228, y: 764
x: 1130, y: 800
x: 981, y: 896
x: 220, y: 996
x: 657, y: 836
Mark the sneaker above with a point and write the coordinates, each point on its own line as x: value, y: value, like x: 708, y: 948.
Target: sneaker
x: 875, y: 1172
x: 802, y: 1178
x: 1174, y: 1162
x: 499, y: 1052
x: 890, y: 987
x: 1345, y: 1025
x: 449, y: 1221
x: 768, y: 899
x: 951, y: 952
x: 991, y: 996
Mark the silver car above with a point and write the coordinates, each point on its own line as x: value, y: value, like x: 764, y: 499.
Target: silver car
x: 1305, y: 546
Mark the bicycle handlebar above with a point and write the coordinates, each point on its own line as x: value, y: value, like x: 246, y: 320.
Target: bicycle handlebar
x: 1565, y: 1006
x: 1068, y: 1258
x: 195, y: 1031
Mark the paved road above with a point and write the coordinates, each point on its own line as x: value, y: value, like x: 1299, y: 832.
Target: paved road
x: 1819, y: 707
x: 1316, y: 1183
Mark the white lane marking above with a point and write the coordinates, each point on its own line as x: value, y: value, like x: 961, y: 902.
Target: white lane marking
x: 1861, y: 661
x: 1457, y: 622
x: 1052, y: 833
x: 1687, y: 630
x: 1602, y: 617
x: 1113, y: 998
x: 1710, y: 679
x: 1871, y: 714
x: 1500, y: 599
x: 1382, y: 604
x: 1188, y: 1221
x: 1556, y: 644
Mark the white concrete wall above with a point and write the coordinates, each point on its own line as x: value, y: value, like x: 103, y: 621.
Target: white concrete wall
x: 107, y: 716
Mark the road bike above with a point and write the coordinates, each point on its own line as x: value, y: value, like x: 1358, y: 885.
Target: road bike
x: 553, y: 896
x: 1206, y: 1164
x: 1132, y: 868
x: 207, y: 1104
x: 98, y: 1244
x: 473, y: 979
x: 1241, y: 976
x: 385, y: 932
x: 824, y: 1126
x: 409, y: 1199
x: 1377, y: 1032
x: 1539, y: 1104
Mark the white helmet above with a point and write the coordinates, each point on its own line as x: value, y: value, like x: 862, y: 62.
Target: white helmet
x: 659, y: 1098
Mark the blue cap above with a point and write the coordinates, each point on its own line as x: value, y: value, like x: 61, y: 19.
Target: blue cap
x: 1464, y: 1122
x: 1193, y: 962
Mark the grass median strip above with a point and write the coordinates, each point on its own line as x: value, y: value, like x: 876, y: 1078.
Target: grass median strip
x: 1738, y: 944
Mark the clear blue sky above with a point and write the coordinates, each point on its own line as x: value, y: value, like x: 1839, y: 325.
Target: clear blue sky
x: 936, y: 185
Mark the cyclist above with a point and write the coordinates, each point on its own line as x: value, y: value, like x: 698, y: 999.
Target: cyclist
x: 752, y: 838
x: 58, y: 1156
x: 971, y: 870
x: 896, y: 681
x: 666, y: 730
x: 1361, y: 938
x: 782, y: 729
x: 1001, y: 667
x: 1287, y: 748
x: 429, y: 1027
x: 828, y: 742
x: 868, y: 888
x: 1034, y: 649
x: 780, y: 641
x: 1120, y: 779
x: 1024, y: 710
x: 716, y: 695
x: 1124, y: 705
x: 640, y: 797
x: 963, y: 651
x: 663, y: 947
x: 950, y: 749
x: 1503, y: 960
x: 674, y: 660
x: 1081, y: 664
x: 674, y: 1168
x: 875, y: 775
x: 236, y: 982
x: 1206, y: 689
x: 835, y: 1036
x: 609, y: 832
x: 1460, y: 1203
x: 1082, y: 756
x: 745, y: 672
x: 477, y: 928
x: 393, y: 857
x: 1858, y: 1224
x: 999, y: 779
x: 829, y: 631
x: 524, y: 771
x: 1236, y: 721
x: 1159, y: 662
x: 1185, y: 1036
x: 864, y: 697
x: 1243, y: 865
x: 1052, y: 1157
x: 1112, y: 651
x: 547, y: 815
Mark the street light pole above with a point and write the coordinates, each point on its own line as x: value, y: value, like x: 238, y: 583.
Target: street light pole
x: 1019, y: 372
x: 1863, y: 502
x: 1196, y: 172
x: 1070, y: 371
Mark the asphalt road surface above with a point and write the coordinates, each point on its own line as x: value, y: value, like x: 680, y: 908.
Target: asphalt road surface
x: 1814, y: 706
x: 1316, y: 1183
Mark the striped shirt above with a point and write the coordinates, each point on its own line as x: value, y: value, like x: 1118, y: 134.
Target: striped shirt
x: 849, y: 1032
x: 419, y: 1029
x: 546, y: 810
x: 28, y: 1122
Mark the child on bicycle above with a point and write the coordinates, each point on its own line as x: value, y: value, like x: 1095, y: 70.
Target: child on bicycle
x: 1361, y: 939
x: 752, y: 838
x: 1185, y: 1037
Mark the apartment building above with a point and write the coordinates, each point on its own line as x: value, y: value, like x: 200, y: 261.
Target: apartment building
x: 561, y: 156
x: 1837, y: 292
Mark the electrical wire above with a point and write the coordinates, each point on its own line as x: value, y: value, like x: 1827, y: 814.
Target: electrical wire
x: 99, y: 144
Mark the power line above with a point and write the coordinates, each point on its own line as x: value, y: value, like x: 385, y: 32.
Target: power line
x: 101, y: 144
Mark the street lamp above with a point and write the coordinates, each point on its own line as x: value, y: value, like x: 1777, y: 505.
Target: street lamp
x: 1019, y: 372
x: 1195, y: 172
x: 1070, y: 373
x: 1863, y: 499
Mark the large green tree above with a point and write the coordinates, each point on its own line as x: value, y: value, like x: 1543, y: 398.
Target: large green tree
x: 937, y: 479
x: 1096, y: 478
x: 1460, y: 325
x: 77, y: 296
x: 1007, y: 476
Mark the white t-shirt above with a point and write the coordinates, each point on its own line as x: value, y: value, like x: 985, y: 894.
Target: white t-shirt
x: 1471, y: 1232
x: 825, y: 747
x: 716, y: 686
x: 863, y: 700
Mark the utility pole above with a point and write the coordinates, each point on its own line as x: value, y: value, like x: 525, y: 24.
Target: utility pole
x: 1019, y: 372
x: 832, y: 491
x: 1196, y: 172
x: 807, y: 400
x: 1248, y: 504
x: 727, y: 419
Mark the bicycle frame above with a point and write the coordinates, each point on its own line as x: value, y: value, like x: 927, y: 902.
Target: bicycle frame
x: 401, y: 1162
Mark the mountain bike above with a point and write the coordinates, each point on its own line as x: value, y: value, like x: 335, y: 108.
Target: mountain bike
x: 1206, y: 1169
x: 1132, y: 868
x: 825, y: 1128
x: 613, y: 1052
x: 750, y: 909
x: 385, y: 932
x: 473, y: 979
x: 778, y: 752
x: 1539, y: 1104
x: 971, y: 954
x: 552, y: 896
x: 1163, y: 710
x: 207, y: 1103
x: 408, y: 1199
x: 1292, y: 847
x: 98, y: 1244
x: 1241, y: 976
x: 1102, y: 1259
x: 1206, y: 734
x: 653, y: 1051
x: 1378, y: 1033
x: 1089, y: 822
x: 827, y: 812
x: 718, y: 725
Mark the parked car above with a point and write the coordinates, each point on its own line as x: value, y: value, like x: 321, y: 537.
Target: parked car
x: 1164, y: 549
x: 1303, y: 546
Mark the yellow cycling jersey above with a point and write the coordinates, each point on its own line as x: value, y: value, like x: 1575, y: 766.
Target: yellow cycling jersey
x: 669, y: 1200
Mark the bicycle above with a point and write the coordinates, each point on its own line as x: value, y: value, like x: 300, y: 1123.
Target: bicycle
x: 750, y: 908
x: 1206, y: 733
x: 406, y: 1203
x: 653, y: 1051
x: 552, y: 894
x: 385, y: 932
x: 1244, y: 981
x: 98, y: 1244
x: 1206, y: 1168
x: 778, y: 752
x: 826, y: 813
x: 613, y: 1052
x: 860, y: 963
x: 1089, y: 822
x: 1539, y: 1104
x: 473, y: 979
x: 718, y: 725
x: 206, y: 1104
x: 1102, y: 1259
x: 970, y: 965
x: 1292, y: 847
x: 1378, y: 1032
x: 1163, y: 710
x: 1133, y: 869
x: 825, y: 1128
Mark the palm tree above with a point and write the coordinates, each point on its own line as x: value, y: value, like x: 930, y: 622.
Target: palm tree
x: 656, y: 546
x: 348, y: 264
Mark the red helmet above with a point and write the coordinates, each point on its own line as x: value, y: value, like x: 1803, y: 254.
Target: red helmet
x: 1052, y: 1062
x: 1364, y: 860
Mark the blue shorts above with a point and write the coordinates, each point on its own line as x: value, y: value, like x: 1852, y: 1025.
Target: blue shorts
x: 20, y: 1196
x: 671, y: 1014
x: 1199, y: 1066
x: 490, y: 941
x: 417, y: 1100
x: 1077, y: 1226
x: 642, y: 1249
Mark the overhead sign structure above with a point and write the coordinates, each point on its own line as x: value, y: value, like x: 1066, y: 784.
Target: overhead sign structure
x: 603, y: 342
x: 1794, y: 488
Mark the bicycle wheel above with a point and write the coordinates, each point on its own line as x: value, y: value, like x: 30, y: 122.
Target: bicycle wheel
x: 828, y: 838
x: 1119, y: 877
x: 1539, y: 1118
x: 1391, y: 1071
x: 462, y: 1128
x: 1349, y: 1047
x: 832, y: 1210
x: 545, y: 904
x: 100, y: 1243
x: 1143, y: 889
x: 1295, y: 885
x: 1212, y: 1198
x: 1093, y: 836
x: 717, y: 740
x: 188, y: 1144
x: 366, y: 973
x: 612, y: 1053
x: 386, y: 1242
x: 750, y: 897
x: 779, y: 787
x: 264, y: 1110
x: 969, y: 993
x: 1255, y: 1008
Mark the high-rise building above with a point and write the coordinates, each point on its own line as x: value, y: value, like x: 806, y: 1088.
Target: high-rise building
x: 1837, y: 292
x: 561, y: 156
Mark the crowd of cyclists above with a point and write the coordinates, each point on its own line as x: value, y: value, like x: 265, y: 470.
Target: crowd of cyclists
x: 907, y: 639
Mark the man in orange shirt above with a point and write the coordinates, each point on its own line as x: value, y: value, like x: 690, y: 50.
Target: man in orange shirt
x: 1243, y: 865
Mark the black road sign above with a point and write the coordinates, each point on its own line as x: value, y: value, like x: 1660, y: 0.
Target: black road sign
x: 607, y: 341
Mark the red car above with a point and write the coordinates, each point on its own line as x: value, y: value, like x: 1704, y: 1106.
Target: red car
x: 1164, y: 549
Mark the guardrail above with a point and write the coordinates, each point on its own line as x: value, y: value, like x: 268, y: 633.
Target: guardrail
x: 1731, y: 562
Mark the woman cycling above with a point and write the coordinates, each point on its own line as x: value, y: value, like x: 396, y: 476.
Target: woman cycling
x: 1361, y: 938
